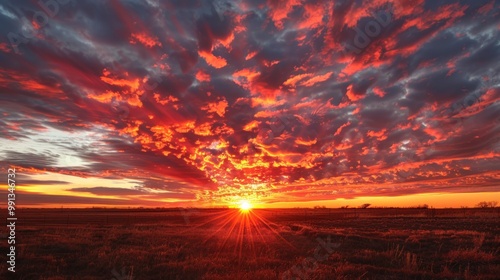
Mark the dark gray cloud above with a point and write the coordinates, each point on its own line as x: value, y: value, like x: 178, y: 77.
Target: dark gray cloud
x: 193, y: 97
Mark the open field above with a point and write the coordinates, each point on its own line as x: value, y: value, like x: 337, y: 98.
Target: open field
x: 261, y: 244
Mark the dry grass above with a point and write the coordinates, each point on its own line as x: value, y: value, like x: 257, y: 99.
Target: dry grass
x: 161, y: 245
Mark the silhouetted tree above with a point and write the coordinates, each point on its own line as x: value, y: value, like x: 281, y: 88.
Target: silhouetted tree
x: 493, y: 204
x: 364, y: 206
x: 486, y: 204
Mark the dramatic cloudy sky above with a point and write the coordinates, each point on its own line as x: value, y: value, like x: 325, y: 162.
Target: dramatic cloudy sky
x: 284, y: 103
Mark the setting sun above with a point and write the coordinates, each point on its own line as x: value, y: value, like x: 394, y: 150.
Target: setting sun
x: 245, y: 206
x: 250, y: 139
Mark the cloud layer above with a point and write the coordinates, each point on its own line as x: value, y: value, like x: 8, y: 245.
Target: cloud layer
x: 211, y: 102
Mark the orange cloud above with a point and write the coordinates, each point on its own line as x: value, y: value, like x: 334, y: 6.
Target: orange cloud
x: 202, y: 76
x: 317, y: 79
x: 133, y: 85
x: 352, y: 95
x: 379, y: 92
x: 281, y: 9
x: 300, y: 141
x: 212, y: 60
x: 145, y: 39
x: 216, y: 107
x: 295, y: 79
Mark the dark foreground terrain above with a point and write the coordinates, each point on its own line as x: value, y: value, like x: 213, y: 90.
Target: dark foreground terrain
x: 261, y: 244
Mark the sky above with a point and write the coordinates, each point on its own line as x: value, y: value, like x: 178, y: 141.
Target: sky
x: 292, y: 103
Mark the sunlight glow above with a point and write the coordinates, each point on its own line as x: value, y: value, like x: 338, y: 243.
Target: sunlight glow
x: 245, y: 206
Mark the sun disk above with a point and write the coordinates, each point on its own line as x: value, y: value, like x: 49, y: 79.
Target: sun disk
x: 245, y: 206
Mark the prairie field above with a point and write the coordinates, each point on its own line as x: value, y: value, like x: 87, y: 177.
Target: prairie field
x: 259, y: 244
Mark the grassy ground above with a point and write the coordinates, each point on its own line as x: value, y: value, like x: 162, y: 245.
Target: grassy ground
x: 262, y: 244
